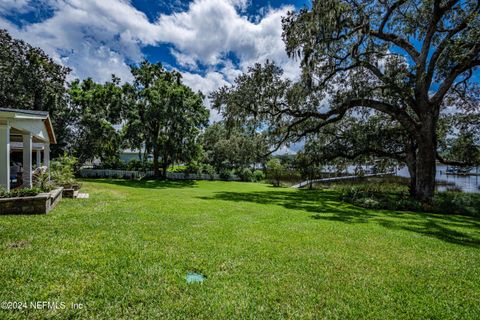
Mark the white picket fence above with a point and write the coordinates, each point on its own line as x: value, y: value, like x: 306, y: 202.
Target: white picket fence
x: 128, y: 174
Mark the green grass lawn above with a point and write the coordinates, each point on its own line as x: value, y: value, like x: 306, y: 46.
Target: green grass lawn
x: 268, y: 253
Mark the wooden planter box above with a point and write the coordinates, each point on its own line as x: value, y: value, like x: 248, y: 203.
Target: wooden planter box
x: 68, y: 193
x: 70, y: 190
x: 42, y: 203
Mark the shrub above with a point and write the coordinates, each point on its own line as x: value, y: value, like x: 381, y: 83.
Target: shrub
x: 27, y: 192
x: 184, y: 169
x: 245, y: 174
x: 193, y: 167
x: 258, y: 175
x: 3, y: 192
x: 114, y: 164
x: 43, y: 182
x: 226, y: 174
x: 369, y: 203
x: 62, y: 170
x: 209, y: 169
x: 135, y: 165
x: 457, y: 203
x: 392, y: 196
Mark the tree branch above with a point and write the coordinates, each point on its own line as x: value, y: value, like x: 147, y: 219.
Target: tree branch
x: 453, y: 162
x: 398, y: 41
x: 444, y: 44
x: 405, y: 94
x: 389, y: 13
x: 460, y: 68
x: 400, y: 115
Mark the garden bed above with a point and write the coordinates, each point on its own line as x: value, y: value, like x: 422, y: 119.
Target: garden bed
x: 42, y: 203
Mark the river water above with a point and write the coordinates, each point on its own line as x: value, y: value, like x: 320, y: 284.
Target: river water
x: 466, y: 183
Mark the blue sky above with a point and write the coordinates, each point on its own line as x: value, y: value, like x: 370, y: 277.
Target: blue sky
x: 209, y: 41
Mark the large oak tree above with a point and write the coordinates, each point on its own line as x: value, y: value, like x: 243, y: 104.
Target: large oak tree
x: 164, y: 116
x: 404, y: 58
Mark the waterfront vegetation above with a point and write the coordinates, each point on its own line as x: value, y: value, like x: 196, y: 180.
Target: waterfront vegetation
x: 393, y: 193
x: 266, y: 253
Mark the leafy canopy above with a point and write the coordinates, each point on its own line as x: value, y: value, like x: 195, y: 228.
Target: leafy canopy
x: 164, y: 115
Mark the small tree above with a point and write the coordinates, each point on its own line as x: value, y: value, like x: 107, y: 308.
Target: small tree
x: 275, y: 171
x: 307, y: 163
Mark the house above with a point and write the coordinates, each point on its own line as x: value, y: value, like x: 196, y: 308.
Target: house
x: 25, y: 135
x: 128, y: 155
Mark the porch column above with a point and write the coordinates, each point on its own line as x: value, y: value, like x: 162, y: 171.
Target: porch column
x: 27, y: 161
x: 5, y: 156
x: 46, y: 157
x: 39, y: 158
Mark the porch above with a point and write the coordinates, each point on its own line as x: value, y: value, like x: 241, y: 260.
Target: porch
x: 25, y: 135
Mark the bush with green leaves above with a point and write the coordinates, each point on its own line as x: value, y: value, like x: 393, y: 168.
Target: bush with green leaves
x: 245, y: 174
x: 209, y: 169
x: 194, y: 167
x: 43, y: 182
x: 3, y: 192
x: 258, y: 176
x: 178, y: 169
x: 457, y: 203
x: 134, y: 165
x: 396, y: 196
x: 25, y: 192
x: 226, y: 174
x: 62, y: 170
x: 113, y: 164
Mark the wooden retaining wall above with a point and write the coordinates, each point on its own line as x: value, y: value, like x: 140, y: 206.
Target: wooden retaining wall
x: 42, y: 203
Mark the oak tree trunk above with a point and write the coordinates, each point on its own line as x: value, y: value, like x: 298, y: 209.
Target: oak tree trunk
x: 164, y: 170
x: 426, y: 160
x: 411, y: 162
x: 156, y: 172
x: 412, y: 170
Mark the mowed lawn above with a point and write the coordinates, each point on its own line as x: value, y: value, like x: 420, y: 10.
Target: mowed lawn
x: 267, y: 253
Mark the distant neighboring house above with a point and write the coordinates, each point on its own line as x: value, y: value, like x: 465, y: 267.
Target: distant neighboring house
x: 128, y: 155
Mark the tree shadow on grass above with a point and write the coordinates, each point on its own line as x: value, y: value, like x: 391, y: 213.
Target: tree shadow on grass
x: 147, y: 184
x: 327, y: 206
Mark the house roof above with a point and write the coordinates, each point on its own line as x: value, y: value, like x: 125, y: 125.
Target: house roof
x: 28, y: 112
x: 22, y: 115
x: 135, y: 151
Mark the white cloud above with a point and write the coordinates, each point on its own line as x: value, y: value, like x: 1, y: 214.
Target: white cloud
x: 98, y: 38
x: 206, y: 84
x: 284, y: 150
x: 184, y: 60
x: 94, y: 38
x: 210, y: 29
x: 14, y: 5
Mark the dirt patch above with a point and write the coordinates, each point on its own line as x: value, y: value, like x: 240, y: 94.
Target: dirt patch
x: 18, y: 244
